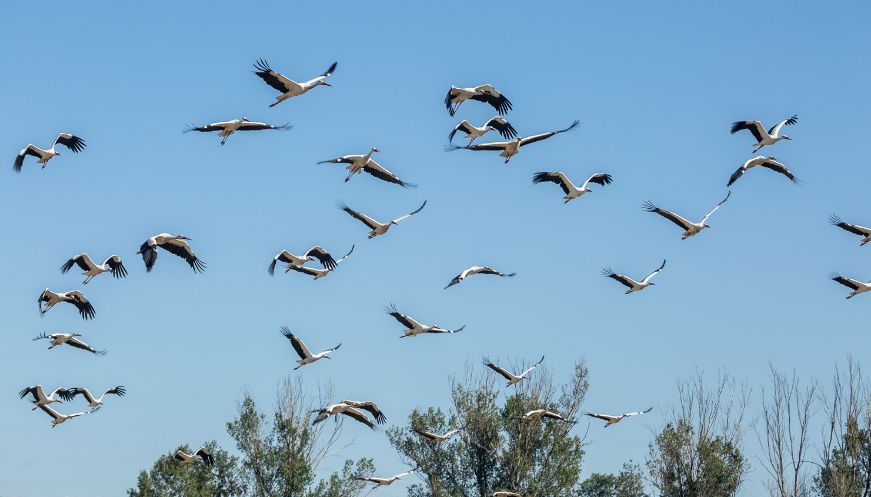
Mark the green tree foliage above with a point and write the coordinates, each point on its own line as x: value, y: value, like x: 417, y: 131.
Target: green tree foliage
x: 629, y: 482
x: 168, y: 478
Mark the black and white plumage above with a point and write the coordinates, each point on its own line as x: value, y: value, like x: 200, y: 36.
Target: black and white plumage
x: 477, y: 270
x: 315, y: 252
x: 414, y: 328
x: 288, y: 87
x: 305, y: 357
x: 370, y: 407
x: 365, y: 163
x: 380, y: 482
x: 56, y: 339
x: 543, y: 413
x: 486, y: 93
x: 317, y: 273
x: 112, y: 264
x: 855, y: 285
x: 72, y: 142
x: 634, y: 286
x: 571, y: 191
x: 610, y: 420
x: 766, y: 162
x: 93, y: 402
x: 511, y: 148
x: 342, y: 408
x: 75, y: 297
x: 512, y: 378
x: 437, y: 437
x: 690, y: 228
x: 506, y: 493
x: 174, y: 244
x: 495, y: 123
x: 38, y: 396
x: 201, y: 455
x: 376, y: 227
x: 762, y: 136
x: 856, y: 229
x: 227, y: 128
x: 58, y: 418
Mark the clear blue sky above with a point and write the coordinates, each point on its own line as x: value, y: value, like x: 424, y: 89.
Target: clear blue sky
x: 655, y: 86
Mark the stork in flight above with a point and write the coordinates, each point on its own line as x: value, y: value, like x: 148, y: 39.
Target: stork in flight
x: 112, y: 264
x: 227, y: 128
x: 305, y: 357
x: 413, y: 328
x: 93, y: 402
x: 174, y: 244
x: 511, y: 148
x: 477, y: 270
x: 611, y: 420
x: 39, y: 398
x: 763, y: 137
x: 315, y: 252
x: 365, y: 163
x: 483, y: 93
x: 70, y: 339
x: 58, y: 418
x: 376, y: 227
x: 72, y: 142
x: 571, y: 191
x: 634, y: 286
x: 201, y: 455
x: 315, y: 272
x: 512, y: 378
x: 690, y: 228
x: 862, y: 231
x: 368, y: 406
x: 380, y: 482
x: 505, y: 493
x: 855, y: 285
x: 437, y: 437
x: 342, y: 408
x: 766, y: 162
x: 288, y: 87
x: 75, y: 297
x: 495, y: 123
x: 543, y: 413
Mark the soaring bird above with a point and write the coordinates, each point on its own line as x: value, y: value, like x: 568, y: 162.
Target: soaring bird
x: 38, y: 396
x: 227, y: 128
x: 72, y: 142
x: 342, y: 408
x: 93, y: 402
x: 766, y: 162
x: 477, y: 270
x: 690, y: 228
x: 305, y: 357
x: 862, y: 231
x: 112, y: 264
x: 610, y: 420
x: 437, y: 437
x: 58, y: 418
x: 413, y: 328
x: 288, y: 87
x: 75, y: 297
x: 315, y: 272
x: 512, y: 378
x: 634, y: 286
x: 505, y: 493
x: 855, y: 285
x: 511, y: 148
x: 484, y: 93
x: 763, y: 137
x: 376, y: 227
x: 368, y: 406
x: 70, y: 339
x: 543, y: 413
x: 315, y: 252
x: 571, y: 191
x: 495, y: 123
x: 174, y: 244
x: 365, y: 163
x: 380, y: 482
x: 201, y: 455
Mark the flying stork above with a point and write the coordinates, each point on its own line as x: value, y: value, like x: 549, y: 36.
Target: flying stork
x: 690, y: 228
x: 370, y: 407
x: 288, y: 87
x: 305, y: 357
x: 376, y: 227
x: 342, y: 408
x: 72, y: 142
x: 543, y: 413
x: 766, y: 162
x: 763, y: 137
x: 112, y: 264
x: 571, y: 191
x: 365, y: 163
x: 511, y: 148
x: 315, y: 252
x: 59, y: 418
x: 634, y: 286
x: 227, y: 128
x: 436, y: 437
x: 413, y: 328
x: 201, y: 455
x: 380, y: 482
x: 39, y: 397
x: 855, y: 285
x: 862, y: 231
x: 477, y: 270
x: 315, y: 272
x: 75, y: 297
x: 512, y: 378
x: 505, y: 493
x: 174, y: 244
x: 496, y: 123
x: 484, y: 93
x: 611, y: 420
x: 93, y: 402
x: 70, y: 339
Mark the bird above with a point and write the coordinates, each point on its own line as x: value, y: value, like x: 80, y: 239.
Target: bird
x: 505, y: 493
x: 370, y: 407
x: 93, y: 402
x: 305, y: 357
x: 690, y: 228
x: 571, y: 191
x: 75, y: 297
x: 365, y: 163
x: 72, y: 142
x: 39, y: 397
x: 342, y: 408
x: 174, y: 244
x: 512, y: 378
x: 315, y: 272
x: 201, y: 455
x: 69, y: 339
x: 483, y: 93
x: 59, y: 418
x: 862, y: 231
x: 227, y: 128
x: 380, y: 482
x: 315, y: 252
x: 495, y: 123
x: 112, y: 264
x: 511, y: 148
x: 288, y: 87
x: 634, y: 286
x: 436, y: 437
x: 477, y: 270
x: 856, y: 285
x: 543, y: 413
x: 766, y: 162
x: 763, y: 137
x: 413, y: 328
x: 610, y: 420
x: 376, y: 227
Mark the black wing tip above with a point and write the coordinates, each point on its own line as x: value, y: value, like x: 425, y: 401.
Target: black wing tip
x: 738, y: 126
x: 262, y: 66
x: 835, y: 220
x: 649, y: 206
x: 792, y: 120
x: 540, y: 176
x: 607, y: 271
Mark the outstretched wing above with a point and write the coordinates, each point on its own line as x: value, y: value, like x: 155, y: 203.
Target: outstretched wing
x: 598, y: 178
x: 554, y: 177
x: 377, y: 170
x: 775, y: 130
x: 671, y: 216
x: 778, y: 167
x: 411, y: 213
x: 297, y: 344
x: 404, y: 320
x: 370, y: 407
x: 82, y: 260
x: 323, y: 256
x: 85, y: 308
x: 651, y: 275
x: 116, y: 265
x: 500, y: 370
x: 716, y: 207
x: 257, y: 126
x: 847, y: 282
x: 463, y: 126
x: 183, y: 250
x: 71, y: 142
x: 625, y: 280
x: 754, y: 127
x: 529, y: 369
x: 274, y: 79
x: 363, y: 218
x: 502, y: 126
x: 852, y: 228
x: 545, y: 136
x: 358, y: 416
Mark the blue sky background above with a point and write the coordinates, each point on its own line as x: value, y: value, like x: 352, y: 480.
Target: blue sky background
x: 655, y: 85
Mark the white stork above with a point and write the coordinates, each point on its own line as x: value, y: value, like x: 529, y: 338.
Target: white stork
x: 342, y: 408
x: 39, y: 398
x: 505, y: 493
x: 690, y: 228
x: 437, y: 437
x: 59, y: 418
x: 112, y: 264
x: 855, y: 285
x: 477, y: 270
x: 72, y: 142
x: 413, y: 328
x: 380, y: 482
x: 571, y: 191
x: 305, y: 357
x: 610, y: 420
x: 634, y: 286
x: 201, y: 455
x: 315, y: 252
x: 766, y: 162
x: 376, y: 227
x: 174, y: 244
x: 543, y: 413
x: 511, y: 148
x: 365, y: 163
x: 483, y: 93
x: 862, y: 231
x: 495, y: 123
x: 370, y: 407
x: 75, y: 297
x: 315, y: 272
x: 512, y: 378
x: 763, y: 137
x: 93, y: 402
x: 288, y: 87
x: 227, y: 128
x: 70, y: 339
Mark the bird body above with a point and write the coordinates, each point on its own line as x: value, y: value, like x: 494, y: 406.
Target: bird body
x: 75, y: 297
x: 93, y: 402
x: 72, y: 142
x: 112, y: 264
x: 288, y: 87
x: 174, y: 244
x: 766, y: 162
x: 483, y: 93
x: 690, y: 228
x: 473, y: 132
x: 634, y: 286
x: 227, y: 128
x: 762, y: 136
x: 509, y: 149
x: 201, y: 455
x: 610, y: 420
x: 70, y: 339
x: 414, y: 328
x: 318, y: 273
x: 376, y: 227
x: 571, y: 191
x: 512, y: 378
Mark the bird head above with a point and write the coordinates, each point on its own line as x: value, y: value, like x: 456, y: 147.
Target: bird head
x: 706, y: 226
x: 244, y: 119
x: 587, y: 190
x: 181, y: 237
x: 652, y: 283
x: 393, y: 222
x: 375, y: 149
x: 75, y: 334
x: 323, y: 83
x: 786, y: 137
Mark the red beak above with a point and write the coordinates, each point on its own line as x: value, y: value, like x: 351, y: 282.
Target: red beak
x: 325, y: 83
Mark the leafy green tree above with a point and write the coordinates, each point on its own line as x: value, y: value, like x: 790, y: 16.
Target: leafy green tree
x: 168, y: 478
x: 629, y: 482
